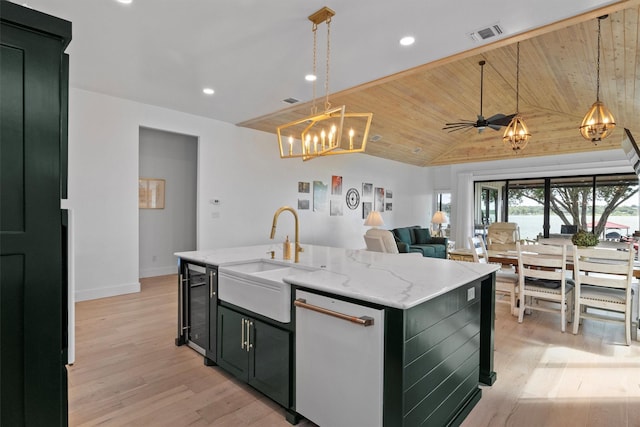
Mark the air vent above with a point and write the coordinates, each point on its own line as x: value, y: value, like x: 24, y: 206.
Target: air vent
x: 291, y: 100
x: 488, y: 32
x: 375, y: 138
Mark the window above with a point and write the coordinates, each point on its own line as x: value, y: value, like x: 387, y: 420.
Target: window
x: 443, y: 203
x: 550, y: 207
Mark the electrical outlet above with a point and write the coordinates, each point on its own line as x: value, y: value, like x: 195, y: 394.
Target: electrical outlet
x: 471, y: 294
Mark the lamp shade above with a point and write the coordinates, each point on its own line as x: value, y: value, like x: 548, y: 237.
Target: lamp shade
x: 374, y: 219
x: 439, y: 218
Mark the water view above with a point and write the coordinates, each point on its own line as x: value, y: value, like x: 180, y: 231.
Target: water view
x: 531, y: 225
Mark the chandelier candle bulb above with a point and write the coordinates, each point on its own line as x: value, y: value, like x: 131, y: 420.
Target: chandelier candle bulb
x: 290, y: 145
x: 350, y: 139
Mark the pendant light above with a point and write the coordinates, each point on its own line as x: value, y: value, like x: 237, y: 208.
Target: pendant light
x: 517, y: 134
x: 332, y: 131
x: 599, y: 122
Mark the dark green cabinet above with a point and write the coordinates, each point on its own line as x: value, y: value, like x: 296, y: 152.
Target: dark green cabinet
x: 33, y: 286
x: 255, y: 352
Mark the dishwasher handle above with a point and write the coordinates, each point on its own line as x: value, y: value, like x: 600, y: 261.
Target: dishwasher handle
x: 363, y: 320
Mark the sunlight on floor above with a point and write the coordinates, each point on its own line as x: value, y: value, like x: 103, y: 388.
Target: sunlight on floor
x: 564, y: 373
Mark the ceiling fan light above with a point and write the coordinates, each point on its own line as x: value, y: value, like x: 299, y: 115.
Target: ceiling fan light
x: 597, y: 123
x: 516, y: 135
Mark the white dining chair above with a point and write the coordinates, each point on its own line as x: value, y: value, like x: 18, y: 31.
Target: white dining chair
x: 542, y: 270
x: 603, y: 282
x: 506, y: 277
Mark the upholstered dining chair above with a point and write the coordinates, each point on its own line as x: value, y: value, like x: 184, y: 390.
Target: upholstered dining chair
x: 502, y: 236
x: 379, y: 240
x: 603, y: 281
x: 506, y: 277
x: 543, y: 271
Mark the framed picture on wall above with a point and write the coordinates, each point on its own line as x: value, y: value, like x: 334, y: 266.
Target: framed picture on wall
x: 303, y: 187
x: 379, y: 199
x: 303, y: 204
x: 336, y: 185
x: 319, y: 196
x: 335, y: 208
x: 151, y: 193
x: 367, y: 190
x: 366, y: 209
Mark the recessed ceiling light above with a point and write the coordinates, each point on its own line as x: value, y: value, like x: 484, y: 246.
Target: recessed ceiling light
x: 407, y: 41
x: 208, y: 91
x: 310, y: 77
x: 125, y: 1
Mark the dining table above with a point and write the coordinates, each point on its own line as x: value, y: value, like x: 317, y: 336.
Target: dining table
x: 510, y: 257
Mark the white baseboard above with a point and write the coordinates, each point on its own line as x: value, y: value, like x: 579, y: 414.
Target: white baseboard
x: 111, y: 291
x: 158, y: 271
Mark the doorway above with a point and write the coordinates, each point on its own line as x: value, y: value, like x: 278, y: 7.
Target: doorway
x: 171, y: 157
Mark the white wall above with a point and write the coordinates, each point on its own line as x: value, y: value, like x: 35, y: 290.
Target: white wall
x: 239, y: 167
x: 459, y: 178
x: 172, y: 157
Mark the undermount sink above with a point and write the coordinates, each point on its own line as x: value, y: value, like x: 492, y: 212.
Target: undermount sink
x: 258, y: 286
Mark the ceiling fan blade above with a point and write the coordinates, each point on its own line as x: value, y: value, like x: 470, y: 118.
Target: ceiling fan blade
x: 458, y: 128
x: 494, y: 127
x: 500, y: 119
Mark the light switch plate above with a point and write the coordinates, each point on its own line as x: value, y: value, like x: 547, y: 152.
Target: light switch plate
x: 471, y: 294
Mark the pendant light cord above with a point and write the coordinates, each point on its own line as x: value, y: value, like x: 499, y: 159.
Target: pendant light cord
x: 518, y: 79
x: 598, y: 64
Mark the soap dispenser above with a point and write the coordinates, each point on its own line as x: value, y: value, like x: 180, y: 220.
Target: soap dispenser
x: 286, y: 249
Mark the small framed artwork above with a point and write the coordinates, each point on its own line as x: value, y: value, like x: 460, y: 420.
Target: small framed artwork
x: 389, y: 194
x: 151, y: 193
x: 303, y: 204
x: 335, y: 208
x: 366, y: 209
x: 336, y: 185
x: 388, y: 207
x: 379, y: 199
x: 319, y: 196
x: 304, y: 187
x: 367, y: 190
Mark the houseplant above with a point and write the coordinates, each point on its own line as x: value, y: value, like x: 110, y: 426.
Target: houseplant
x: 584, y: 239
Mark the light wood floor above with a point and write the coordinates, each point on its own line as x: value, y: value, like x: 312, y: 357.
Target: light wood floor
x: 128, y: 372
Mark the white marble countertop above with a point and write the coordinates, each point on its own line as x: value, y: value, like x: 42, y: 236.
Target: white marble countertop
x: 393, y: 280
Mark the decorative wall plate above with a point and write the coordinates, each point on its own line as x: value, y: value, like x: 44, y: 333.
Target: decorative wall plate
x: 353, y: 198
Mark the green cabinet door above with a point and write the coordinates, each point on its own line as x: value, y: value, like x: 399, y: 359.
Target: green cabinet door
x: 255, y: 352
x: 33, y: 294
x: 269, y: 364
x: 232, y: 353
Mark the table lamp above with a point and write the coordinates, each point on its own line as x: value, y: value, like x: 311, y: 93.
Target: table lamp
x: 439, y: 218
x: 374, y: 219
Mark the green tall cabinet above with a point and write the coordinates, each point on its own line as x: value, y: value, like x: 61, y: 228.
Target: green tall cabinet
x: 33, y: 159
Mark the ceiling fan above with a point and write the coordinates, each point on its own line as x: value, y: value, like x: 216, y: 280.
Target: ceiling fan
x: 494, y: 122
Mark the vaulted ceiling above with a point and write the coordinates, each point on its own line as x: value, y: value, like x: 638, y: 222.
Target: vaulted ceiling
x: 557, y: 87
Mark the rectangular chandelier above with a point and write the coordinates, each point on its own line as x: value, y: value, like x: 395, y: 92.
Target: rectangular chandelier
x: 329, y: 133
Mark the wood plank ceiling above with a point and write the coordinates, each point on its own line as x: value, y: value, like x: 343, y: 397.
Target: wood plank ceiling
x: 557, y: 87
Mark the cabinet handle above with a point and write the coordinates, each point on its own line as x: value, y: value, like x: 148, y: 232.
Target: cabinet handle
x: 211, y: 292
x: 364, y: 320
x: 249, y: 345
x: 242, y: 341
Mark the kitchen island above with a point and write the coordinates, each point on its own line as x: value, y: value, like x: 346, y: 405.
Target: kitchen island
x: 415, y: 356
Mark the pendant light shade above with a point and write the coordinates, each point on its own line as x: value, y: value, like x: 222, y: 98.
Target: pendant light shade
x: 599, y: 122
x: 517, y: 133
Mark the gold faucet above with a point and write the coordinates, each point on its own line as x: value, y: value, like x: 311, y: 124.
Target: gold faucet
x: 298, y: 248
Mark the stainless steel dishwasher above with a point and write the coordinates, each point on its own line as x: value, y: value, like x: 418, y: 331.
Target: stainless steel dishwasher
x: 339, y: 361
